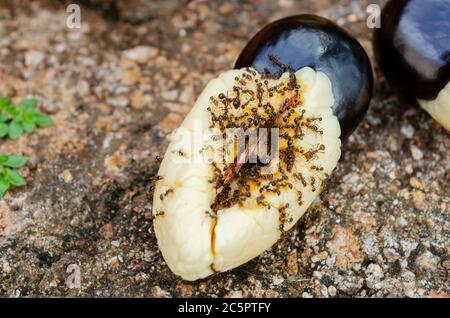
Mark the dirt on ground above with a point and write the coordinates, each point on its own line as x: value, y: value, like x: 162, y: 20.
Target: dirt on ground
x: 120, y: 84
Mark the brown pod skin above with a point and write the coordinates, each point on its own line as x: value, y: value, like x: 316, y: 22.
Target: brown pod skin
x: 313, y: 41
x: 412, y: 47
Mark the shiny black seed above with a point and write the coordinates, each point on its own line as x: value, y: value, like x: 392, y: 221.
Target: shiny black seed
x: 279, y: 47
x: 413, y: 46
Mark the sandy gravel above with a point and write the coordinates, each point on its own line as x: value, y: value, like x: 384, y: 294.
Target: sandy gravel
x: 116, y: 88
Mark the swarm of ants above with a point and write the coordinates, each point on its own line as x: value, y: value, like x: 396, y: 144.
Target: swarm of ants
x: 235, y: 181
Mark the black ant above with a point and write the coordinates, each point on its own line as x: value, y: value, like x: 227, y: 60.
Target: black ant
x: 168, y: 192
x: 313, y: 182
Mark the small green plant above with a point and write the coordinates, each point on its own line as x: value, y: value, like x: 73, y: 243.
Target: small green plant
x: 15, y: 120
x: 8, y: 174
x: 21, y: 118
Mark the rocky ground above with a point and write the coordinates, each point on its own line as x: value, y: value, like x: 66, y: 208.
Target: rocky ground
x: 116, y: 88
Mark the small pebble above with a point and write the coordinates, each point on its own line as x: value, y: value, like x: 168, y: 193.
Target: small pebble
x: 141, y: 54
x: 34, y: 58
x: 416, y: 153
x: 407, y: 130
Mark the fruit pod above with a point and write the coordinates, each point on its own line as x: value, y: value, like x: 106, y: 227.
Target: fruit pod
x: 412, y: 48
x: 313, y: 41
x: 214, y: 211
x: 302, y: 82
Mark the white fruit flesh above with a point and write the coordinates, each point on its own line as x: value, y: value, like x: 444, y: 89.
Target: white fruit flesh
x: 439, y: 108
x: 195, y: 239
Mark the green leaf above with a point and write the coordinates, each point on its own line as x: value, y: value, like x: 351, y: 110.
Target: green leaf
x: 29, y: 103
x: 4, y: 186
x: 21, y: 118
x: 15, y: 178
x: 4, y: 129
x: 43, y: 120
x: 4, y: 103
x: 8, y: 108
x: 28, y: 125
x: 15, y: 129
x: 3, y: 158
x: 27, y: 106
x: 15, y: 161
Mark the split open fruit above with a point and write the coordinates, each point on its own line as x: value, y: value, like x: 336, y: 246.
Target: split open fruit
x: 413, y: 50
x: 253, y: 154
